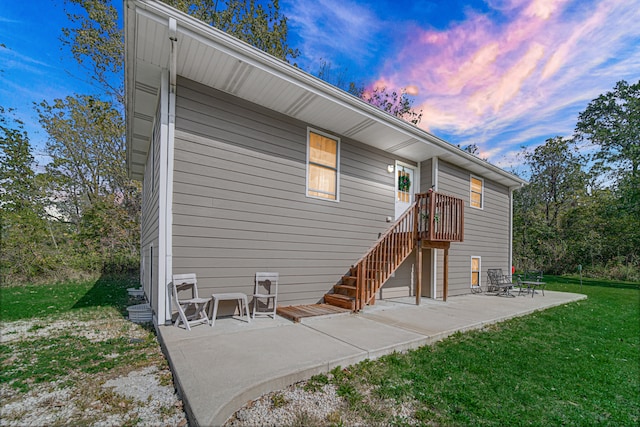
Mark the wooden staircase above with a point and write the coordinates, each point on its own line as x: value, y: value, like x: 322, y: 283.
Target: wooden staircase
x: 344, y: 294
x: 433, y: 218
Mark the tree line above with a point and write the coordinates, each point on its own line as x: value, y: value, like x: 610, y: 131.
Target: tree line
x: 79, y: 214
x: 582, y: 205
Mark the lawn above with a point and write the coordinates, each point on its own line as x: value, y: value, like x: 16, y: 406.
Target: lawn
x: 577, y: 364
x: 65, y: 349
x: 79, y: 298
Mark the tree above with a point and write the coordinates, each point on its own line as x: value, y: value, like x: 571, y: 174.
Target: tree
x: 472, y: 149
x: 27, y: 246
x: 557, y: 176
x: 557, y: 184
x: 337, y: 77
x: 396, y: 103
x: 88, y: 174
x: 246, y: 20
x: 16, y: 165
x: 89, y: 183
x: 86, y: 145
x: 612, y: 121
x: 97, y: 42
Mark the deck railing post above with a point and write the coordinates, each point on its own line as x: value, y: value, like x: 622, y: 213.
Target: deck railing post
x: 432, y: 215
x: 360, y: 286
x: 416, y: 218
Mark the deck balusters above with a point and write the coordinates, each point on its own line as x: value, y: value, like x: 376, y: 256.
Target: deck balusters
x: 432, y: 217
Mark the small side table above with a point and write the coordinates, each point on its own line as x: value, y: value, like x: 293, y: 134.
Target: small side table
x: 239, y: 297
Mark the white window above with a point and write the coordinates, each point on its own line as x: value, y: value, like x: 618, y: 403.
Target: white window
x: 477, y: 193
x: 323, y: 160
x: 475, y: 271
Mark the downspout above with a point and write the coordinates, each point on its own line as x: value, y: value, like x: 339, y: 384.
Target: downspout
x: 434, y: 255
x: 170, y: 159
x: 162, y: 200
x: 511, y: 229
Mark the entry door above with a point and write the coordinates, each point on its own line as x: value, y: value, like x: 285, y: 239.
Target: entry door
x: 405, y: 188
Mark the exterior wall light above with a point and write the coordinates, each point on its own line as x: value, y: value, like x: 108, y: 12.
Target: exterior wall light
x: 390, y: 168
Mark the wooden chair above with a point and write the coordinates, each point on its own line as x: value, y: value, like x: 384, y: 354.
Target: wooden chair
x: 266, y: 288
x: 191, y: 311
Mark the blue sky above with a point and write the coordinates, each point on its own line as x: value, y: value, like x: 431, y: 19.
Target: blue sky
x: 33, y: 66
x: 497, y: 73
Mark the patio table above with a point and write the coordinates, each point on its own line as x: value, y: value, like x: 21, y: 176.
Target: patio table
x: 239, y: 297
x: 531, y: 285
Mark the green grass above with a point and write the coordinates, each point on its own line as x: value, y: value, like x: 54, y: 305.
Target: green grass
x: 577, y: 364
x: 35, y: 361
x: 73, y: 351
x: 34, y: 301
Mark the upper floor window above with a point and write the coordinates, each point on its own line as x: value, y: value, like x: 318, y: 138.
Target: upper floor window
x: 322, y: 165
x: 477, y: 192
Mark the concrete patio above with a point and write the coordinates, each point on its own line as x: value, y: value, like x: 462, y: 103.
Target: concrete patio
x: 219, y: 369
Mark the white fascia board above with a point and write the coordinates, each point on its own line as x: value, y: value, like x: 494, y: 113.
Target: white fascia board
x: 129, y: 80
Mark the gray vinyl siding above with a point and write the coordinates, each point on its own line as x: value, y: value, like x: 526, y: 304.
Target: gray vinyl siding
x: 150, y: 216
x: 239, y: 203
x: 426, y: 177
x: 401, y: 283
x: 486, y: 231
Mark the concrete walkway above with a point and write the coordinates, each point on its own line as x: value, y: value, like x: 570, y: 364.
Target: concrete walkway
x: 219, y: 369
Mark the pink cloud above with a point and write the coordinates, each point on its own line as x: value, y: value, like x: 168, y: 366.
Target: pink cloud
x: 543, y: 8
x: 486, y: 74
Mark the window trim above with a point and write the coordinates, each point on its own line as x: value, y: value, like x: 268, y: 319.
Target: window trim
x: 337, y: 169
x: 471, y: 192
x: 479, y: 258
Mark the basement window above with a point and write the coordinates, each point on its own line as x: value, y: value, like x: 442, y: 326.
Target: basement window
x: 475, y: 271
x: 323, y: 152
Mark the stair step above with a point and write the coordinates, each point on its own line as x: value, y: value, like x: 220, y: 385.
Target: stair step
x: 348, y: 290
x: 340, y: 301
x: 349, y: 280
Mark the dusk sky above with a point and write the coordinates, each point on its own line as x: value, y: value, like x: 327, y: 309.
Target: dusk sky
x: 497, y: 73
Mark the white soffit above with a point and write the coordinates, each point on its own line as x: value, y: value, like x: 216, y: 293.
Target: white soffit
x: 215, y: 59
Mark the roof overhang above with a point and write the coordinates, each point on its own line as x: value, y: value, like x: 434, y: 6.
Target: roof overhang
x: 213, y: 58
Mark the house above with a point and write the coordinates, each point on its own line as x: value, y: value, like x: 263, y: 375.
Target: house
x: 250, y: 164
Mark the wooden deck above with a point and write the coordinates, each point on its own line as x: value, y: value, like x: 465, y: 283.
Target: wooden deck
x: 297, y: 312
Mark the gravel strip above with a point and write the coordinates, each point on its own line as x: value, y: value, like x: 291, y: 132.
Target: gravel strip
x: 126, y: 396
x: 289, y: 407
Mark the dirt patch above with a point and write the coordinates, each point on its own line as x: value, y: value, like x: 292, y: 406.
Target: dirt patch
x: 129, y: 384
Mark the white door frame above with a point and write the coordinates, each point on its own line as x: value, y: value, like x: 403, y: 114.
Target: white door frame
x: 415, y: 184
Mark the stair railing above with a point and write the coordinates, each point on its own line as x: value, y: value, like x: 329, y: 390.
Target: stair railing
x: 432, y: 217
x: 379, y: 263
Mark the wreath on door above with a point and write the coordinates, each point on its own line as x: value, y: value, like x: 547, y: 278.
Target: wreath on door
x: 404, y: 183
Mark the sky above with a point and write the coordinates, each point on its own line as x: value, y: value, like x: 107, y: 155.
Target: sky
x: 501, y: 74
